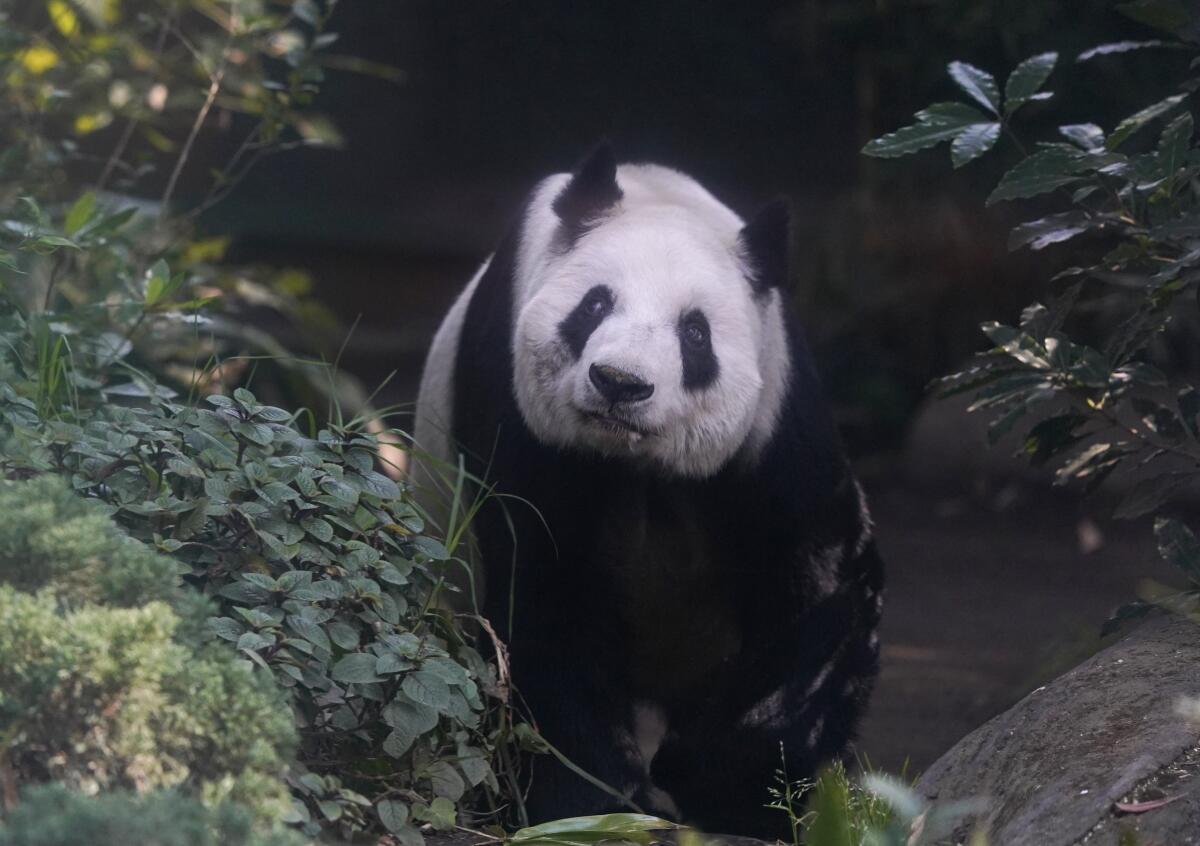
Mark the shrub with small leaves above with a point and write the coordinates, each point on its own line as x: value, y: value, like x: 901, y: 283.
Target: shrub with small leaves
x: 1084, y: 368
x: 109, y: 686
x: 54, y: 816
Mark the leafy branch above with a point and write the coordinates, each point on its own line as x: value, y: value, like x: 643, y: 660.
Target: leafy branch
x: 1100, y: 404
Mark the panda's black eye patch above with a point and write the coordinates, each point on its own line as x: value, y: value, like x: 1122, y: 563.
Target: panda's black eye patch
x: 695, y: 347
x: 579, y: 325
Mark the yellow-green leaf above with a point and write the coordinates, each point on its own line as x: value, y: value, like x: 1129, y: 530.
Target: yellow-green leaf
x: 80, y: 213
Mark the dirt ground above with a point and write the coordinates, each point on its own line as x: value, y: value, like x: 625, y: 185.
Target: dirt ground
x: 988, y: 597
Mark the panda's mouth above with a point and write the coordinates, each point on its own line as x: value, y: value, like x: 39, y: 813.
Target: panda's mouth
x: 617, y: 425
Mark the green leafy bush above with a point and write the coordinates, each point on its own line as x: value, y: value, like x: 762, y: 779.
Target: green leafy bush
x: 322, y: 577
x: 1084, y: 367
x: 300, y: 558
x: 105, y: 112
x: 122, y: 695
x: 55, y: 816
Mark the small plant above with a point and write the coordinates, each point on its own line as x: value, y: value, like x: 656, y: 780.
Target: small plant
x: 1083, y: 367
x: 836, y: 810
x: 832, y: 802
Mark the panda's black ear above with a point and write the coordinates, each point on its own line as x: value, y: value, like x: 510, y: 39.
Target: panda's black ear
x: 765, y: 245
x: 591, y: 192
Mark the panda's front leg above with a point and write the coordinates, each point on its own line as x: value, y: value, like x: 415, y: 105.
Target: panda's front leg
x: 583, y: 715
x: 791, y: 697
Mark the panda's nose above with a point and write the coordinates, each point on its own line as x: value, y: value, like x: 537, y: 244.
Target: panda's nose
x: 618, y: 385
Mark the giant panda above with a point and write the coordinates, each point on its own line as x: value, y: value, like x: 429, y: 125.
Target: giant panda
x: 674, y: 548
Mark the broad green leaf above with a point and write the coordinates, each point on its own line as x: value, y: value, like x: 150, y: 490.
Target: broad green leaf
x: 442, y: 813
x: 1087, y: 135
x: 311, y: 632
x: 412, y: 716
x: 108, y: 225
x: 636, y: 828
x: 940, y: 122
x: 1122, y: 47
x: 1178, y: 546
x: 356, y: 668
x: 318, y: 528
x: 54, y: 241
x: 445, y: 780
x: 1049, y: 168
x: 1095, y: 459
x: 1151, y: 494
x: 80, y: 213
x: 390, y: 662
x: 399, y: 741
x: 474, y: 767
x: 432, y: 548
x: 408, y: 835
x: 1189, y: 408
x: 225, y: 628
x: 245, y: 592
x: 10, y: 261
x: 426, y: 688
x: 1051, y: 230
x: 830, y: 809
x: 1172, y: 16
x: 254, y: 640
x: 157, y: 278
x: 392, y: 813
x: 1003, y: 424
x: 1140, y: 118
x: 973, y: 142
x: 1051, y: 436
x: 344, y: 635
x: 1027, y: 79
x: 339, y: 490
x: 977, y: 84
x: 1174, y: 144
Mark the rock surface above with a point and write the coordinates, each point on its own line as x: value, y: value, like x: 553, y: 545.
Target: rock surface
x: 1054, y: 764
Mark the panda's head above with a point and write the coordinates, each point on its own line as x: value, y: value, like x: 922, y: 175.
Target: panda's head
x: 648, y: 319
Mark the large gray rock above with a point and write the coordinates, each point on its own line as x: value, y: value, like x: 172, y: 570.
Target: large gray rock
x: 1054, y: 764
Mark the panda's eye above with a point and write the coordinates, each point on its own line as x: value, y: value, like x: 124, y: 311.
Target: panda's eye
x: 695, y: 334
x: 596, y: 305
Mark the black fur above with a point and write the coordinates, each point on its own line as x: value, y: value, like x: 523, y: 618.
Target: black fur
x: 766, y: 244
x: 591, y: 192
x: 584, y: 319
x: 700, y: 366
x: 778, y: 556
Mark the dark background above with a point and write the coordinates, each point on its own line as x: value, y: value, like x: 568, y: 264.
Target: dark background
x: 995, y: 582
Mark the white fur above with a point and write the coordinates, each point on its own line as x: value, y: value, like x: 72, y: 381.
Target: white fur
x: 432, y: 433
x: 667, y: 247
